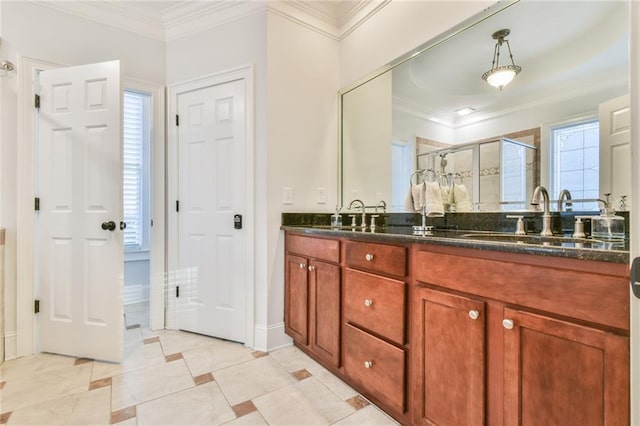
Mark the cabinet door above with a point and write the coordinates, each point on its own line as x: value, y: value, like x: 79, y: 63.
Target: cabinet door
x: 297, y: 299
x: 448, y: 359
x: 324, y: 283
x: 560, y: 373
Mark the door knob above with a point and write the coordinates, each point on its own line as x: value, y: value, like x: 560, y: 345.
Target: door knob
x: 109, y: 226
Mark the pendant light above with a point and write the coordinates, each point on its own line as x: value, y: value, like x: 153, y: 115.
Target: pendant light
x: 501, y: 75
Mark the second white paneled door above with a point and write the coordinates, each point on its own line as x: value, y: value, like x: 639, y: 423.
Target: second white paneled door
x: 211, y: 276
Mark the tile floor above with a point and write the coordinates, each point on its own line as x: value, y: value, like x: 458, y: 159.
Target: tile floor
x: 177, y: 378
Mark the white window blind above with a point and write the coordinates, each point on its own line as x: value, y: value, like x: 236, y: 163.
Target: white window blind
x: 134, y: 133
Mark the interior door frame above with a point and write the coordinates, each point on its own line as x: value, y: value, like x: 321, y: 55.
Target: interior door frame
x: 634, y: 91
x: 26, y: 322
x: 245, y: 73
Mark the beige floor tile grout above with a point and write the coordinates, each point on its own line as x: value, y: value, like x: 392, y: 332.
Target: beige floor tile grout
x: 130, y: 412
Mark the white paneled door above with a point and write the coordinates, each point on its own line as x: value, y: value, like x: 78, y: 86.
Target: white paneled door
x: 211, y: 293
x: 80, y: 250
x: 615, y: 148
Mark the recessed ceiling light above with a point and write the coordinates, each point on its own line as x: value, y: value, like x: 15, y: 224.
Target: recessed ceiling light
x: 465, y: 111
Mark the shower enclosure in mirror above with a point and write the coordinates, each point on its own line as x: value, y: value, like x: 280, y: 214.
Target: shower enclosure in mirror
x: 496, y: 175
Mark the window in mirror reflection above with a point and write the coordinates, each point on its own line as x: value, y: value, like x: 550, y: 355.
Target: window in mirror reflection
x: 575, y: 162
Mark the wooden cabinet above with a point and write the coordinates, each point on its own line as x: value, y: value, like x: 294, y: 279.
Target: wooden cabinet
x: 376, y: 366
x: 448, y: 351
x: 560, y: 373
x: 297, y: 299
x: 440, y: 335
x: 556, y: 341
x: 375, y: 337
x: 312, y: 295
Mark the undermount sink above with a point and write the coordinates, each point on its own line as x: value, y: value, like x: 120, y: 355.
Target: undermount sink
x: 534, y: 239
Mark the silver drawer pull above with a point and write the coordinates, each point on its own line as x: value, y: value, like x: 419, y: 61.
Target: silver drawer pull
x: 368, y: 302
x: 368, y: 364
x: 369, y: 257
x: 312, y: 268
x: 303, y: 266
x: 508, y: 324
x: 474, y: 315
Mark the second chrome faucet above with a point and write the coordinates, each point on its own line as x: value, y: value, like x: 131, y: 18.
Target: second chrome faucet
x: 546, y: 215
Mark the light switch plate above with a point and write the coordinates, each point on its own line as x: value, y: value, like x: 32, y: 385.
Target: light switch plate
x: 287, y: 195
x: 321, y: 195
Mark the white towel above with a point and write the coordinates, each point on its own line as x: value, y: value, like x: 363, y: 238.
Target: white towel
x: 461, y: 198
x: 433, y: 199
x: 415, y: 198
x: 446, y: 195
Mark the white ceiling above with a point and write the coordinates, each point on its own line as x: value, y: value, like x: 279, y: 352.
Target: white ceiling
x: 166, y: 20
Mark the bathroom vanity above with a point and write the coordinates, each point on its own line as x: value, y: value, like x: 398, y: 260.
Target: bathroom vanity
x: 450, y: 330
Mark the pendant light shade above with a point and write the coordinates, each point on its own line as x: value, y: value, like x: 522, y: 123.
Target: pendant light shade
x: 501, y: 75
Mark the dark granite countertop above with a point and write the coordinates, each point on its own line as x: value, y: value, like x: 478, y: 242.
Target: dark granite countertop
x: 585, y: 249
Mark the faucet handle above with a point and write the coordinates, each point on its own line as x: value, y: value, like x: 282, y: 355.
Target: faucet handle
x: 519, y: 225
x: 353, y: 220
x: 578, y: 227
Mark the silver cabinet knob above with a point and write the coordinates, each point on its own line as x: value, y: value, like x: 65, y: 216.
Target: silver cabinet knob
x: 474, y: 315
x: 312, y: 268
x: 368, y: 364
x: 368, y: 302
x: 302, y: 266
x: 508, y: 324
x: 369, y: 257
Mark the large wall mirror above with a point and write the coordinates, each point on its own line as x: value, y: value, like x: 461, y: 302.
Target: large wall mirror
x: 568, y: 108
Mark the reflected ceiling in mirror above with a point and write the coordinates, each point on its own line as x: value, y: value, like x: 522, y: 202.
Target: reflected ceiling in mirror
x: 565, y: 49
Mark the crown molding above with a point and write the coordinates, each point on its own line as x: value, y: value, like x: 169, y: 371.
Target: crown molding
x: 190, y: 17
x: 296, y: 11
x: 114, y: 14
x: 359, y: 14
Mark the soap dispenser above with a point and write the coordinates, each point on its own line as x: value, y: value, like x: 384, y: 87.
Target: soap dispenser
x: 607, y: 226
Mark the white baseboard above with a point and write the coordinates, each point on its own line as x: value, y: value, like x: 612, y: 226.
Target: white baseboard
x: 10, y: 346
x: 270, y: 337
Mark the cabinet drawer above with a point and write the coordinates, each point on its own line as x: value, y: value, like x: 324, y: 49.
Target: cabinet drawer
x: 319, y: 248
x: 588, y: 296
x: 377, y: 365
x: 375, y: 303
x: 382, y: 258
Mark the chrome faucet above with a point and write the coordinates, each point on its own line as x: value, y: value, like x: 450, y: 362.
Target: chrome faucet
x: 561, y: 198
x: 363, y: 225
x: 546, y: 215
x: 382, y: 204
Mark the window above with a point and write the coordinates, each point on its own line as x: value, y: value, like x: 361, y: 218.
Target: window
x: 575, y: 161
x: 137, y: 140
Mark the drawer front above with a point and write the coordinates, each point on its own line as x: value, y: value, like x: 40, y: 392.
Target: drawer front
x: 375, y: 303
x: 569, y: 293
x: 382, y: 258
x: 319, y: 248
x: 376, y: 365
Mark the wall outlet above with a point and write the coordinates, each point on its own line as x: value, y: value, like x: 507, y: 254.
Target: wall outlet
x: 287, y: 195
x: 321, y: 195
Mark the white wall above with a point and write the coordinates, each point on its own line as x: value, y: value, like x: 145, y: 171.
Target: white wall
x: 303, y: 79
x: 399, y: 27
x: 367, y: 135
x: 31, y: 30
